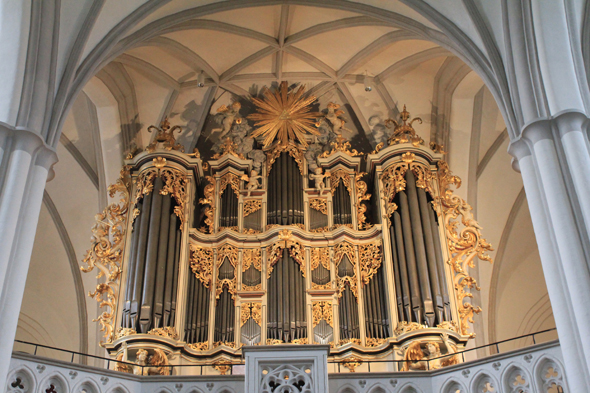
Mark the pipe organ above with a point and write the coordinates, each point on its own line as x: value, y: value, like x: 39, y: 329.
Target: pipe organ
x: 201, y: 257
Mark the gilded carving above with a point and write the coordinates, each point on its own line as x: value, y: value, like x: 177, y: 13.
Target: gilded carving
x: 228, y: 147
x: 234, y: 228
x: 340, y: 145
x: 464, y: 244
x: 406, y: 327
x: 250, y: 231
x: 252, y: 206
x: 284, y: 115
x: 222, y: 366
x: 297, y: 253
x: 271, y: 341
x: 374, y: 342
x: 320, y: 230
x: 106, y: 251
x: 124, y: 332
x: 403, y: 131
x: 251, y: 310
x: 300, y: 341
x: 199, y: 346
x: 361, y: 195
x: 293, y: 151
x: 165, y: 135
x: 231, y: 253
x: 229, y: 179
x: 275, y: 251
x: 370, y: 260
x: 351, y: 363
x: 341, y: 285
x: 416, y: 359
x: 209, y: 199
x: 224, y: 343
x: 249, y: 288
x: 251, y: 256
x: 335, y: 178
x: 167, y: 331
x: 201, y: 262
x: 349, y: 341
x: 322, y: 310
x: 344, y: 248
x: 320, y: 255
x: 318, y: 286
x: 319, y: 204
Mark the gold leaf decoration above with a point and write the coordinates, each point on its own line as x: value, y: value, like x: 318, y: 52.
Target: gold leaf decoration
x: 361, y: 196
x: 201, y: 262
x: 403, y: 131
x: 320, y: 255
x: 340, y: 250
x: 251, y: 310
x: 209, y: 199
x: 340, y: 145
x: 228, y: 147
x: 165, y: 135
x: 106, y: 251
x: 335, y: 178
x: 252, y: 206
x: 370, y: 260
x: 322, y: 310
x: 199, y: 346
x: 284, y: 115
x: 232, y: 180
x: 167, y: 331
x: 293, y: 151
x: 251, y: 256
x: 464, y: 244
x: 231, y: 253
x: 319, y: 204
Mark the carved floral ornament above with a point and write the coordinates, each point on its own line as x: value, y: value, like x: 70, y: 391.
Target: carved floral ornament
x: 251, y: 310
x: 335, y: 178
x: 319, y: 204
x: 252, y: 206
x: 201, y: 262
x: 275, y: 252
x: 231, y: 253
x: 229, y: 179
x: 293, y: 151
x: 209, y: 199
x: 251, y: 257
x: 106, y: 251
x: 175, y: 184
x: 320, y: 255
x: 322, y: 310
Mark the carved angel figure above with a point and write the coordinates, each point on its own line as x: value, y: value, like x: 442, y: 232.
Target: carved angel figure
x: 415, y: 359
x: 157, y: 362
x: 225, y: 117
x: 318, y: 177
x: 253, y: 182
x: 334, y: 117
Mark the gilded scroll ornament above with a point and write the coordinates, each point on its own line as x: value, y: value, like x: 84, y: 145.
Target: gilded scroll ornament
x: 378, y: 148
x: 251, y: 310
x: 340, y: 250
x: 199, y: 346
x: 321, y: 287
x: 374, y: 342
x: 300, y: 341
x: 106, y: 251
x: 272, y: 341
x: 403, y: 131
x: 229, y: 179
x: 167, y: 331
x: 284, y: 115
x: 275, y: 251
x: 320, y: 255
x: 370, y: 260
x: 209, y: 199
x: 320, y: 230
x: 227, y: 251
x: 434, y: 359
x: 293, y: 151
x: 224, y: 343
x: 252, y: 206
x: 297, y: 253
x: 249, y: 288
x: 251, y: 256
x: 124, y: 332
x: 250, y: 231
x: 361, y: 195
x: 340, y: 145
x: 464, y: 244
x: 349, y: 341
x: 223, y: 366
x: 228, y: 147
x: 319, y: 204
x: 231, y: 253
x: 351, y: 363
x: 341, y: 285
x: 344, y: 248
x: 165, y: 135
x: 322, y: 310
x: 335, y: 178
x: 201, y: 262
x: 393, y: 179
x: 232, y: 228
x: 406, y: 327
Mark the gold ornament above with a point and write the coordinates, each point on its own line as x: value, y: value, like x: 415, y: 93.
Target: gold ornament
x: 251, y: 256
x: 340, y: 145
x: 284, y: 115
x: 319, y: 204
x: 406, y: 327
x: 403, y: 131
x: 320, y: 255
x: 252, y: 206
x: 106, y: 251
x: 124, y: 332
x: 165, y: 135
x: 293, y: 151
x: 199, y: 346
x: 361, y: 195
x: 201, y: 262
x: 374, y: 342
x: 167, y: 331
x: 370, y: 260
x: 300, y: 341
x: 378, y: 148
x: 322, y: 310
x: 232, y: 180
x: 228, y: 147
x: 209, y: 199
x: 222, y: 366
x: 351, y: 363
x: 251, y: 310
x: 249, y: 288
x: 271, y: 341
x: 335, y: 178
x: 464, y: 245
x: 231, y: 253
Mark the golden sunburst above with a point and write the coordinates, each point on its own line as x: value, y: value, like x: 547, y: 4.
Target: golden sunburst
x: 284, y: 114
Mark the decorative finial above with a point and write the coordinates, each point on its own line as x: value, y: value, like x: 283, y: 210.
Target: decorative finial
x: 165, y: 135
x: 403, y: 131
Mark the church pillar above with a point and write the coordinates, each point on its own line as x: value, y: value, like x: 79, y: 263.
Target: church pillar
x: 554, y: 160
x: 25, y: 163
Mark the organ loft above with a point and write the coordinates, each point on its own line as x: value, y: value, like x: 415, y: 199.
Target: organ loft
x: 275, y: 230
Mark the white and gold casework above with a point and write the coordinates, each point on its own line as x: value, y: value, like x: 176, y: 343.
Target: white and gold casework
x: 289, y: 244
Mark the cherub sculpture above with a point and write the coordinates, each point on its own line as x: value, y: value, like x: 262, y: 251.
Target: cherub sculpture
x: 334, y: 116
x: 415, y: 359
x: 225, y: 117
x: 155, y: 364
x: 253, y: 181
x: 318, y: 177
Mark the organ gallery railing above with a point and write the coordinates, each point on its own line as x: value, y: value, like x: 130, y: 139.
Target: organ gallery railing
x: 278, y: 240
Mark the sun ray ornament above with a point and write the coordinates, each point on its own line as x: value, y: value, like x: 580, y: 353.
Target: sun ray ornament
x: 284, y: 115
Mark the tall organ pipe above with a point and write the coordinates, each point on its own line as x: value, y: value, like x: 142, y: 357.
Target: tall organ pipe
x: 160, y: 281
x: 441, y: 265
x: 285, y: 202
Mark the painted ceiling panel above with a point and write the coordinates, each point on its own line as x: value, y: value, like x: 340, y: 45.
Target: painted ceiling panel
x: 302, y: 17
x: 207, y: 44
x: 262, y: 19
x: 162, y: 60
x: 337, y: 47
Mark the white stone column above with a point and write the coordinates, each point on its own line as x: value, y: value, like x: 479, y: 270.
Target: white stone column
x: 25, y: 162
x: 554, y: 159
